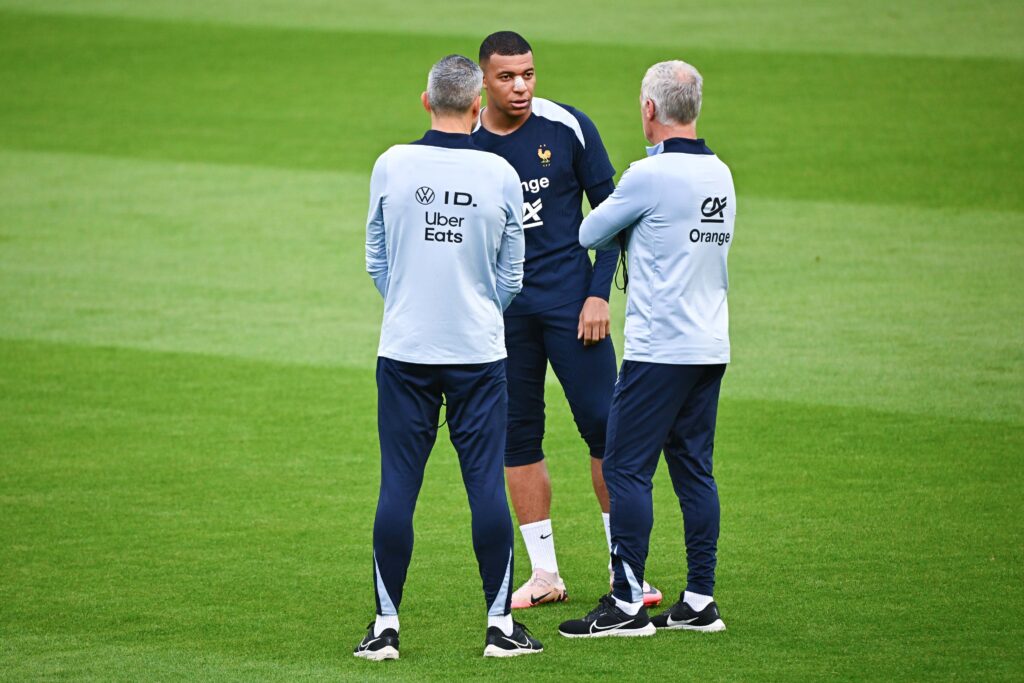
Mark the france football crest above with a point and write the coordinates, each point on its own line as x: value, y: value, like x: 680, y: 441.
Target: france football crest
x: 545, y: 155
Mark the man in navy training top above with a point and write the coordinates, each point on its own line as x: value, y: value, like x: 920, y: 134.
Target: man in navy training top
x: 444, y: 246
x: 561, y: 316
x: 678, y: 208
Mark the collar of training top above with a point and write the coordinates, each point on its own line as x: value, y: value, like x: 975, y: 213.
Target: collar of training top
x: 437, y: 138
x: 681, y: 146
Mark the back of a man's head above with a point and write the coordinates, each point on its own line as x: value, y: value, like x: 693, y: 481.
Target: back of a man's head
x: 675, y: 88
x: 453, y: 85
x: 505, y: 44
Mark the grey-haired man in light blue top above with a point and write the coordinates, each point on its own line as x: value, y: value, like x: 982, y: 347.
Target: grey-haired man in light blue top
x: 445, y: 248
x: 675, y: 212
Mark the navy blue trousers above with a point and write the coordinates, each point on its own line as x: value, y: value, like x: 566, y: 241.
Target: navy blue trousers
x: 672, y: 409
x: 409, y: 399
x: 586, y: 373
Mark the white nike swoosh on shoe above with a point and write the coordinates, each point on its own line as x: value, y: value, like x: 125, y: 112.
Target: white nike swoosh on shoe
x: 516, y: 642
x: 673, y: 622
x: 363, y: 646
x: 595, y: 627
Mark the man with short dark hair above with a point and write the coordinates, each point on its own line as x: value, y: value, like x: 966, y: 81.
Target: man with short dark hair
x: 561, y: 316
x: 678, y: 209
x: 444, y: 246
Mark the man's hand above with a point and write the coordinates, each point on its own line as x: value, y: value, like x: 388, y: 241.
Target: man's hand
x: 595, y: 323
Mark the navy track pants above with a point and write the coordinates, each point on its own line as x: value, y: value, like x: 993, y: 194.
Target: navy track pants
x: 672, y: 409
x: 409, y: 398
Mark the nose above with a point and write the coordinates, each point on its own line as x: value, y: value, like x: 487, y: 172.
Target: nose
x: 519, y: 84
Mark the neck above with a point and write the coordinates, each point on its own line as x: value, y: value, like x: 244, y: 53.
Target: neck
x: 661, y: 132
x: 452, y: 124
x: 498, y: 122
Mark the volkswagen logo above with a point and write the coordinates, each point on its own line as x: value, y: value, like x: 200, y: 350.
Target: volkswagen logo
x: 424, y: 195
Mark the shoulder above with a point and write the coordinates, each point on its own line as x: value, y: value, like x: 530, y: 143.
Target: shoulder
x: 492, y: 161
x: 490, y: 165
x: 394, y: 151
x: 380, y: 166
x: 723, y: 165
x: 566, y: 115
x: 642, y: 167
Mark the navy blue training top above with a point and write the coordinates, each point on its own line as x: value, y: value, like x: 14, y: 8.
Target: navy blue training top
x: 558, y: 155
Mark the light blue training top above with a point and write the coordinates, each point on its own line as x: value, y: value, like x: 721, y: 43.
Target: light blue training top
x: 445, y: 247
x: 678, y: 207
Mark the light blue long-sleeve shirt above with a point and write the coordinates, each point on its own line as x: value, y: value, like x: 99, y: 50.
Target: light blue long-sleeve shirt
x: 445, y: 248
x: 679, y: 208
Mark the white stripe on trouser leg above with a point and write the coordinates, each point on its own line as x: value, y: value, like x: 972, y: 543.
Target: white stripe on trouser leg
x: 636, y: 591
x: 498, y: 606
x: 387, y: 608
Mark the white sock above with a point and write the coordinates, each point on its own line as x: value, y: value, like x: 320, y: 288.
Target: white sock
x: 608, y: 536
x: 504, y: 623
x: 540, y: 545
x: 390, y: 621
x: 630, y: 608
x: 697, y: 601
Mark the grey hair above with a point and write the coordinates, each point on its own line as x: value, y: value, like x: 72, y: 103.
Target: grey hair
x: 453, y: 84
x: 675, y: 89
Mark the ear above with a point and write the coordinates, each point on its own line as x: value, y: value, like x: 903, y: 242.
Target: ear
x: 649, y: 110
x: 426, y: 101
x: 475, y: 109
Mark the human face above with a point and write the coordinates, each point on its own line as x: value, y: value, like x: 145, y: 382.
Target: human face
x: 509, y: 82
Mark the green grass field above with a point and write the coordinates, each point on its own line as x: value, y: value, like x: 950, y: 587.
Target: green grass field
x: 188, y: 452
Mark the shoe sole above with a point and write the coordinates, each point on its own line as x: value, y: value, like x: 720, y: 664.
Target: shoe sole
x: 648, y: 630
x: 495, y: 651
x: 714, y: 627
x: 386, y: 652
x: 528, y: 605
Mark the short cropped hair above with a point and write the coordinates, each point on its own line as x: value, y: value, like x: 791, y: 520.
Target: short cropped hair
x: 675, y: 89
x: 453, y: 84
x: 504, y: 43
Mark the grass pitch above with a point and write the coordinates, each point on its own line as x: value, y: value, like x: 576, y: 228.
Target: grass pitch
x: 188, y: 463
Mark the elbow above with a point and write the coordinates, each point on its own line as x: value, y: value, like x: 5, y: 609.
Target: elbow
x: 587, y: 240
x: 507, y: 291
x: 597, y: 243
x: 510, y: 289
x: 589, y: 234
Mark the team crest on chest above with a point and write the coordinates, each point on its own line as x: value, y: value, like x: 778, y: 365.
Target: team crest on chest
x: 545, y: 155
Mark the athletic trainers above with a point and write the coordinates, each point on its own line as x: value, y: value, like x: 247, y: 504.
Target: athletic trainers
x: 542, y: 587
x: 652, y: 596
x: 682, y: 616
x: 608, y: 620
x: 377, y: 648
x: 519, y: 643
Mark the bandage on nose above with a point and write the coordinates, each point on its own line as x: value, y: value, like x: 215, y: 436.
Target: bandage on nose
x: 519, y: 83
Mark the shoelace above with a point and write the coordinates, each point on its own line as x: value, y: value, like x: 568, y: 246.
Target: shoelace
x: 520, y: 625
x: 603, y: 605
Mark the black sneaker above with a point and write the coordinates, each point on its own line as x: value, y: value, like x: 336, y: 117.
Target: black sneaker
x: 377, y: 648
x: 608, y: 620
x: 519, y: 643
x: 682, y: 616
